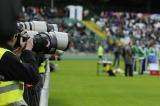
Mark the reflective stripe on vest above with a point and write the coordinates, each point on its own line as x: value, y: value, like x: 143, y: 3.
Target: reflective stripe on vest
x: 8, y: 88
x: 10, y: 91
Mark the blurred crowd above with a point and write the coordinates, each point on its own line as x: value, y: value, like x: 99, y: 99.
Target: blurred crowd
x: 138, y: 38
x: 41, y: 13
x: 141, y: 29
x: 139, y: 26
x: 81, y: 39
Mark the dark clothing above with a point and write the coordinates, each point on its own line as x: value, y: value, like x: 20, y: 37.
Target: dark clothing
x: 111, y: 73
x: 32, y: 94
x: 14, y: 70
x: 134, y: 65
x: 117, y: 54
x: 128, y: 62
x: 128, y: 56
x: 128, y: 70
x: 100, y: 57
x: 143, y: 66
x: 116, y: 61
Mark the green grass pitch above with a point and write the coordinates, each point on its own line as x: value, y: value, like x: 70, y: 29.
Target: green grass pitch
x: 76, y: 84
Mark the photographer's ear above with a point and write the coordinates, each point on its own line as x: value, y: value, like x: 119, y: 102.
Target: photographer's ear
x: 14, y: 39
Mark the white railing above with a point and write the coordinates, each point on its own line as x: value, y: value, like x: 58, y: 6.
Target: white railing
x: 45, y: 90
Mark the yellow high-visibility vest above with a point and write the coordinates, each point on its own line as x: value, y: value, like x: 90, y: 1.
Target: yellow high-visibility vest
x: 42, y: 68
x: 100, y: 51
x: 10, y: 91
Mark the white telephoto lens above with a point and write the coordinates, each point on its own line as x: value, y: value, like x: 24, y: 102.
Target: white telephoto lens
x: 40, y: 26
x: 62, y: 40
x: 32, y: 33
x: 54, y: 26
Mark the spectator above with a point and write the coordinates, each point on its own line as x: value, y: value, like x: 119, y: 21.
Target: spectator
x: 117, y: 54
x: 128, y: 61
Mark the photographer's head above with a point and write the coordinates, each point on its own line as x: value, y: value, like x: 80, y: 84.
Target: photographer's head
x: 9, y: 10
x: 11, y: 40
x: 5, y: 35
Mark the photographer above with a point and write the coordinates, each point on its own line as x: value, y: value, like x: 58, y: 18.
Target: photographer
x: 17, y: 66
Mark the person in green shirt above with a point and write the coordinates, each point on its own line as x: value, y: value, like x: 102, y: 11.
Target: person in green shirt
x: 142, y: 58
x: 135, y: 50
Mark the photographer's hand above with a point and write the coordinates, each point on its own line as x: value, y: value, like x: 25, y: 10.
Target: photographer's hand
x: 22, y: 43
x: 18, y: 50
x: 29, y: 44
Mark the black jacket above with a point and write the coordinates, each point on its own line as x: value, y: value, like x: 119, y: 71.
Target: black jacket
x: 12, y: 69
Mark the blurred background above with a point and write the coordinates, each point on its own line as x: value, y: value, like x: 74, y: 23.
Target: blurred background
x: 109, y: 21
x: 115, y: 24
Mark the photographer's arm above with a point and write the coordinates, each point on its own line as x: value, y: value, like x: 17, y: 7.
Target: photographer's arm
x: 15, y: 70
x: 27, y: 45
x: 25, y: 70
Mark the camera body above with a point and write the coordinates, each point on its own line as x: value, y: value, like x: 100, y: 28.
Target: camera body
x: 46, y: 38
